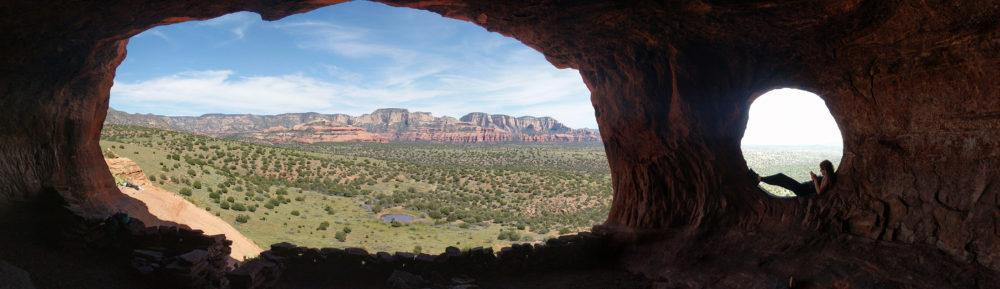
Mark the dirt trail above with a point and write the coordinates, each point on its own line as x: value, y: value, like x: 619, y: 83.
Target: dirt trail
x: 169, y: 207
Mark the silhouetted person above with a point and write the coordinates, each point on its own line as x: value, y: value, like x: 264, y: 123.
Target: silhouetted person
x: 817, y: 185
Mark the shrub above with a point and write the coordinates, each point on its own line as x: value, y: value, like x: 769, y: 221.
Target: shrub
x: 341, y: 236
x: 323, y: 225
x: 295, y: 213
x: 197, y: 184
x: 152, y: 178
x: 417, y: 249
x: 239, y: 207
x: 509, y: 235
x: 242, y: 218
x: 185, y: 191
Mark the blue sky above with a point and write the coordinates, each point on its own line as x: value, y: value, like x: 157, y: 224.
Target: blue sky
x: 348, y: 58
x: 359, y: 56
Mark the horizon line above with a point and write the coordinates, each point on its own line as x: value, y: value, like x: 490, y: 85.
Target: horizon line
x: 377, y: 109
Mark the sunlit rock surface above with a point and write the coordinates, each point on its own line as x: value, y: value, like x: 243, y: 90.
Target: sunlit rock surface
x: 382, y: 125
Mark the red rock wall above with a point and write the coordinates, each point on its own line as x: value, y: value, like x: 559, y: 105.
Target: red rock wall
x: 913, y: 86
x: 917, y: 98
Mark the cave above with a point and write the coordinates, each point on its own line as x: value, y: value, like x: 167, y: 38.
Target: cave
x: 911, y: 84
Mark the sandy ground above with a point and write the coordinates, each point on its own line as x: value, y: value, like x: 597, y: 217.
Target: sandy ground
x: 170, y: 207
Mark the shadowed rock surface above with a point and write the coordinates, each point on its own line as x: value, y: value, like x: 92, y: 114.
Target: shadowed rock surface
x: 912, y: 84
x: 14, y: 278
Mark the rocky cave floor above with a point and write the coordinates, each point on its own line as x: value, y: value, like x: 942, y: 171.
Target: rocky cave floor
x: 56, y: 253
x: 656, y: 260
x: 798, y: 260
x: 585, y: 279
x: 40, y: 245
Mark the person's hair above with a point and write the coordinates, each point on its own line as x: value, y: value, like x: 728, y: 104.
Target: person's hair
x: 827, y: 168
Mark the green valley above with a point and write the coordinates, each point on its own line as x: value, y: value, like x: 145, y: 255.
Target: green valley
x: 332, y: 194
x: 335, y: 194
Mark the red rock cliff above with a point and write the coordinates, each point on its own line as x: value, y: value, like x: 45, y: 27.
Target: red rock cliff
x: 382, y: 125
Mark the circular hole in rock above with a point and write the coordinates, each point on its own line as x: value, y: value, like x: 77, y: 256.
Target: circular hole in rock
x: 789, y: 133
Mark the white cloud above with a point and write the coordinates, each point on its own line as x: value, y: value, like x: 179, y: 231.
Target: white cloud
x: 341, y: 74
x: 160, y: 34
x: 199, y: 92
x: 218, y: 91
x: 344, y: 40
x: 490, y: 75
x: 235, y: 23
x: 791, y: 117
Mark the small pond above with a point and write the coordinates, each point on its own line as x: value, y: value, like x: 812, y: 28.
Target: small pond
x: 402, y: 218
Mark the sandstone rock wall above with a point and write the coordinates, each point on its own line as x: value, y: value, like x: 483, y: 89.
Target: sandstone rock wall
x: 911, y: 83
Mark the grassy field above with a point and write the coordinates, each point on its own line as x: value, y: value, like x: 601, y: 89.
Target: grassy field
x: 331, y: 195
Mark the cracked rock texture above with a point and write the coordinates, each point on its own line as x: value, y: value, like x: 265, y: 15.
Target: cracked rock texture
x: 912, y: 84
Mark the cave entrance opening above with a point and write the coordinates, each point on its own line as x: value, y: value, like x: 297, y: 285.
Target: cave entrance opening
x: 310, y: 128
x: 790, y: 132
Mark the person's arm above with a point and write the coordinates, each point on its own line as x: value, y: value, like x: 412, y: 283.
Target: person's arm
x: 817, y: 183
x: 821, y: 183
x: 824, y: 184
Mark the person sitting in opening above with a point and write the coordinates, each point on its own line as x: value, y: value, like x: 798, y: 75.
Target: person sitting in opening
x: 817, y: 185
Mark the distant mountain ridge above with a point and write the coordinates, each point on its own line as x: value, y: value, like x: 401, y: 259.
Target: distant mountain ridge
x: 382, y: 125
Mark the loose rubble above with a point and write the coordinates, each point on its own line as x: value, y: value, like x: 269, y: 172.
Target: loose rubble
x: 452, y: 269
x: 179, y: 257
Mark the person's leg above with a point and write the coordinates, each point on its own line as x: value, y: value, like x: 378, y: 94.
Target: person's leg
x: 780, y: 180
x: 789, y: 183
